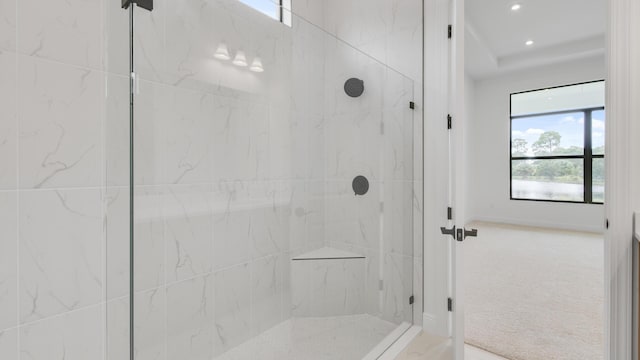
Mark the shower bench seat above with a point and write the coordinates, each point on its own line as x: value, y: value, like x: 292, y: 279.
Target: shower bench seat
x: 328, y: 282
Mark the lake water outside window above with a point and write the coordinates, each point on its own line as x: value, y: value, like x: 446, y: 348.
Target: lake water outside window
x: 557, y: 144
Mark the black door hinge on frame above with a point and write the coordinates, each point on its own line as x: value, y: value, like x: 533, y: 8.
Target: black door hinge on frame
x: 411, y: 300
x: 449, y: 31
x: 449, y: 213
x: 412, y: 105
x: 449, y: 120
x: 450, y: 304
x: 145, y: 4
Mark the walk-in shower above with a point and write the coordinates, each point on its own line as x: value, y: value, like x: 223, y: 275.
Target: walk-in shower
x: 192, y: 179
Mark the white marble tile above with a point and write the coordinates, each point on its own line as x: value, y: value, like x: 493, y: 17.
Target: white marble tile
x: 316, y: 214
x: 116, y: 232
x: 116, y: 38
x: 281, y: 163
x: 328, y: 287
x: 308, y: 67
x: 8, y: 120
x: 60, y: 252
x: 117, y: 329
x: 188, y: 231
x: 189, y: 130
x: 339, y: 201
x: 373, y: 277
x: 8, y: 25
x: 149, y: 245
x: 398, y: 286
x: 269, y: 221
x: 266, y: 297
x: 60, y: 109
x: 61, y: 30
x: 398, y: 218
x: 231, y: 224
x: 311, y: 11
x: 287, y: 296
x: 398, y: 118
x: 298, y: 215
x: 240, y: 140
x: 369, y: 216
x: 151, y: 324
x: 150, y: 42
x: 232, y: 312
x: 150, y: 111
x: 361, y: 23
x: 116, y: 132
x: 190, y: 319
x: 404, y: 37
x: 9, y: 344
x: 8, y: 260
x: 195, y: 29
x: 353, y: 130
x: 76, y: 335
x: 300, y: 288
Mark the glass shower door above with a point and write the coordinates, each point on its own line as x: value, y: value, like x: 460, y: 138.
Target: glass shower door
x: 273, y: 214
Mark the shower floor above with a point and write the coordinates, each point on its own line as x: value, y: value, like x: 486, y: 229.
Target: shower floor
x: 331, y: 338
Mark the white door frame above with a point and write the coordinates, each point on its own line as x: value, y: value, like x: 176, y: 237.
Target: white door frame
x: 622, y: 166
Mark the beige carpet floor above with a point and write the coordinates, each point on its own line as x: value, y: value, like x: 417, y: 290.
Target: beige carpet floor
x: 534, y: 294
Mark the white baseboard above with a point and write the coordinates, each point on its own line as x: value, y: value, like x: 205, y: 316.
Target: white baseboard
x: 594, y: 228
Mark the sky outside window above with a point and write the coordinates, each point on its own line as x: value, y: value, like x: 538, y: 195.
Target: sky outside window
x: 267, y: 7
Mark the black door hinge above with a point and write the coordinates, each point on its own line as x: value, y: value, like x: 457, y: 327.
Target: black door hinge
x: 450, y: 304
x: 145, y: 4
x: 449, y: 213
x: 411, y: 300
x: 449, y: 120
x: 450, y: 31
x: 412, y: 105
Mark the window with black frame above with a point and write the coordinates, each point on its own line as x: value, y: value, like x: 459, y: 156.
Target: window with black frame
x: 557, y: 144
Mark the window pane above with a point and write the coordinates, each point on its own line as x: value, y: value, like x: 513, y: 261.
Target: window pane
x: 561, y: 180
x: 267, y: 7
x: 597, y: 132
x: 598, y: 180
x: 570, y: 97
x: 561, y: 134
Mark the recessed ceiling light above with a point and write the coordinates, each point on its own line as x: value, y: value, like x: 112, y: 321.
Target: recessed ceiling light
x: 529, y: 42
x: 515, y: 7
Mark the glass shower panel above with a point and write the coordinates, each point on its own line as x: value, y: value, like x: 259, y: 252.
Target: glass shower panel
x: 250, y: 241
x: 61, y: 275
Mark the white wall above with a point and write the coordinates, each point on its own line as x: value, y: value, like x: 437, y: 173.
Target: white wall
x: 488, y: 168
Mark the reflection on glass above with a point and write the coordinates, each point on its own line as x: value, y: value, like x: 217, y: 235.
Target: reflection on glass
x: 597, y: 132
x: 598, y: 180
x: 557, y: 179
x: 547, y: 135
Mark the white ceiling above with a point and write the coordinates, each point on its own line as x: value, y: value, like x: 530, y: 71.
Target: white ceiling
x: 562, y: 30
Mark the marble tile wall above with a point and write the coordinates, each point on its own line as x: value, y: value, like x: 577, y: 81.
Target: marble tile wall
x: 56, y: 93
x: 391, y: 33
x: 232, y: 174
